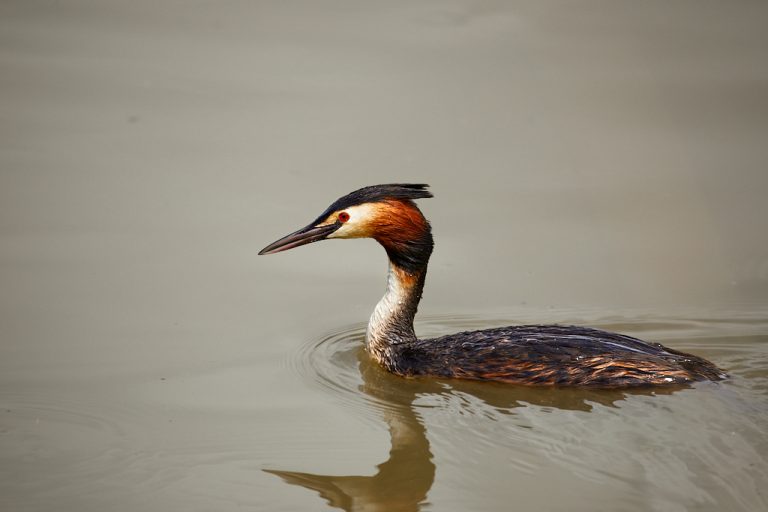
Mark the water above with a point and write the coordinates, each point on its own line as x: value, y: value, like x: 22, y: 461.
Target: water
x: 594, y: 164
x: 684, y: 448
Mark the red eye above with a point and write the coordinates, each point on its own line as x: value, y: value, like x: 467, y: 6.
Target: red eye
x: 343, y: 217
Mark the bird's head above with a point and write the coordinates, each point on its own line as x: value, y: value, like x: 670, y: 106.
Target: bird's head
x: 386, y: 213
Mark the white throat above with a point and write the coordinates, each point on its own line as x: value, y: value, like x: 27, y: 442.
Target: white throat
x: 386, y: 326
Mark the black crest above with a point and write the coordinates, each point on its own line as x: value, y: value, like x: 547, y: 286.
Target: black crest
x: 377, y: 194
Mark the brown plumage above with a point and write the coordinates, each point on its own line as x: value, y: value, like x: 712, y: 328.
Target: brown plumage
x: 529, y: 355
x: 551, y: 355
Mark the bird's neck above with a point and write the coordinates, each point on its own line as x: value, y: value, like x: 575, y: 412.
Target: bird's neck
x: 407, y: 237
x: 391, y: 323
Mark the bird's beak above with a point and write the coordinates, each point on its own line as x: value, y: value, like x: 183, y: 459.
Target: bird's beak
x: 304, y: 236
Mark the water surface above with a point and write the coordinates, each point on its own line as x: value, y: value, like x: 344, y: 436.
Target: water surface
x: 593, y: 163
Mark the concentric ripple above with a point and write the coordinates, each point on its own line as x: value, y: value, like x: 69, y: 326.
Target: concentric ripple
x: 339, y: 364
x: 692, y: 445
x: 333, y: 361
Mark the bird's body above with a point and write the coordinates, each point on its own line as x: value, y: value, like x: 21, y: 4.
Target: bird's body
x: 530, y: 354
x: 549, y: 355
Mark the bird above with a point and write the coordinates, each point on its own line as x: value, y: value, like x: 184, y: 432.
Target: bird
x: 532, y: 355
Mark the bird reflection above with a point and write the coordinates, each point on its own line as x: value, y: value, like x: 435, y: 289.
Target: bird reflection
x: 403, y: 481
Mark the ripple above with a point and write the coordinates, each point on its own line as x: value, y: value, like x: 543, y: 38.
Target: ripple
x: 55, y: 441
x: 339, y: 364
x: 697, y: 444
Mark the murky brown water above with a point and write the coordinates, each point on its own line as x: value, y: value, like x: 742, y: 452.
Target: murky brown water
x: 593, y: 163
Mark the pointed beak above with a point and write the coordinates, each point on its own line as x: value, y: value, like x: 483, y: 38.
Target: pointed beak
x: 304, y: 236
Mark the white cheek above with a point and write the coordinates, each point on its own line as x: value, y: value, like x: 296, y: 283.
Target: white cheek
x: 339, y: 233
x: 355, y: 227
x: 350, y: 229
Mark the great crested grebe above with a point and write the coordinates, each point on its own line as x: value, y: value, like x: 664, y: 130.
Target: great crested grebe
x: 527, y: 354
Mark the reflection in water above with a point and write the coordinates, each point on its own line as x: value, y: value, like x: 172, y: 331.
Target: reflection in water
x: 403, y: 481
